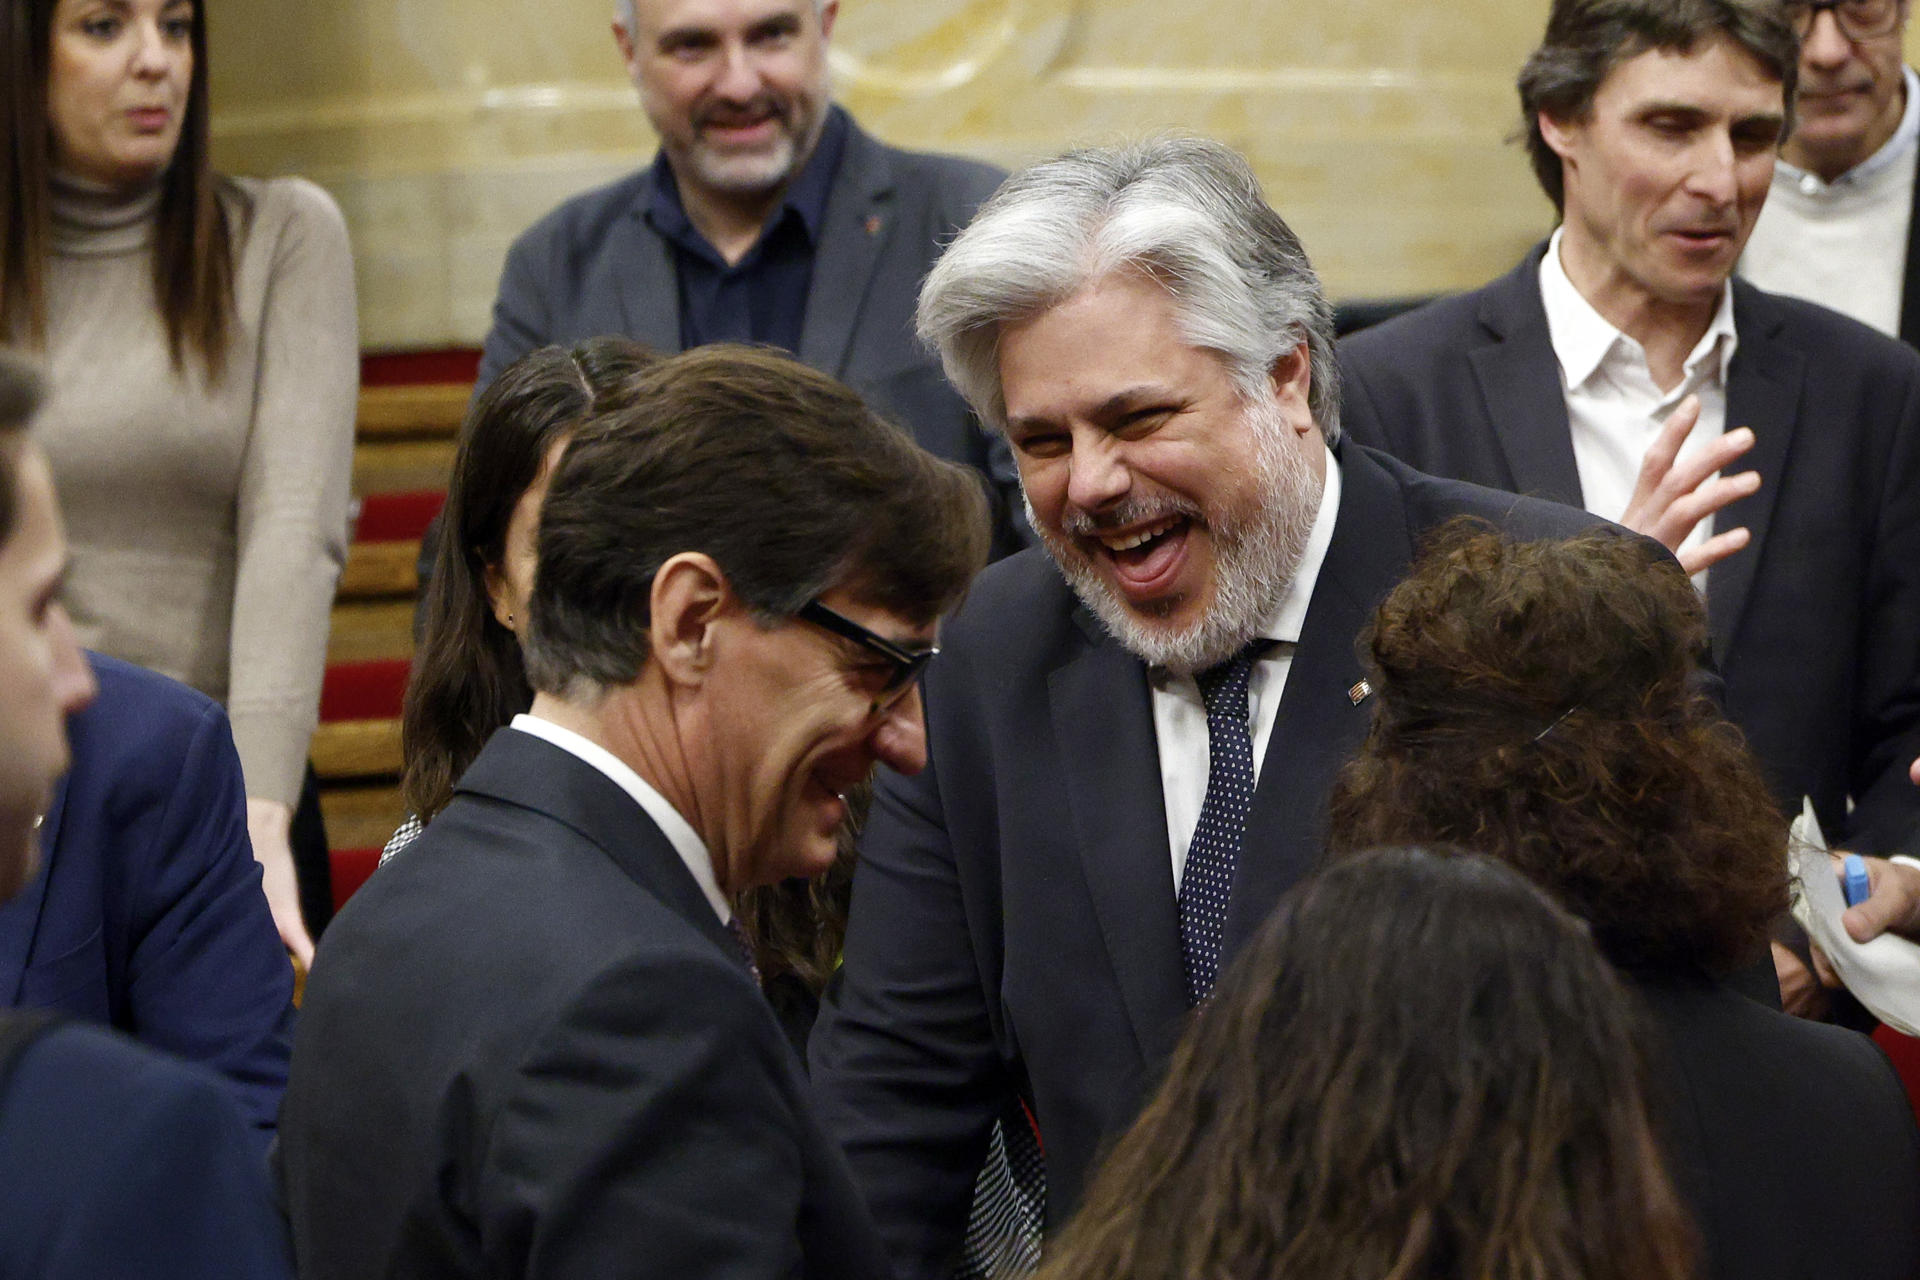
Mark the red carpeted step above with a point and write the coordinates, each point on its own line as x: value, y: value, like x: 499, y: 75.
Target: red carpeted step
x: 351, y: 867
x: 407, y: 368
x: 397, y: 517
x: 363, y: 690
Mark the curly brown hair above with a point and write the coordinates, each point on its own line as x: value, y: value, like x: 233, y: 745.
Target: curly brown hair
x: 1419, y: 1067
x: 1540, y: 702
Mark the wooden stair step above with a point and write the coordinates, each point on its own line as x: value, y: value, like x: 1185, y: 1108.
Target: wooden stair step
x: 375, y: 570
x: 357, y: 749
x: 369, y: 630
x: 361, y: 816
x: 390, y: 466
x: 420, y: 409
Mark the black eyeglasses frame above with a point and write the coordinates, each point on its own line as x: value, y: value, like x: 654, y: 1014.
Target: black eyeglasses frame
x: 1803, y: 13
x: 907, y: 663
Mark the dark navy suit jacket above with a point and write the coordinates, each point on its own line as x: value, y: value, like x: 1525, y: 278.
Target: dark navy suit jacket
x: 1014, y: 927
x: 147, y: 913
x: 530, y: 1048
x: 118, y: 1161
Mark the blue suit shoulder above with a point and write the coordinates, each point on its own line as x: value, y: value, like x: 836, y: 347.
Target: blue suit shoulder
x: 120, y: 1161
x: 141, y: 706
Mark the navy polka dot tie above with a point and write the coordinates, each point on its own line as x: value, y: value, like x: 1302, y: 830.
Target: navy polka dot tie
x: 1206, y: 886
x: 740, y: 939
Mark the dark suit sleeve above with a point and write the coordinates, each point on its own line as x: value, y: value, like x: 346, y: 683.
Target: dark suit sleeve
x: 206, y: 976
x: 520, y: 310
x: 904, y: 1068
x: 1886, y: 814
x: 648, y: 1134
x: 121, y: 1163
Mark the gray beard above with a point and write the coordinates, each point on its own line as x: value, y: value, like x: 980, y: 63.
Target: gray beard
x: 1255, y: 557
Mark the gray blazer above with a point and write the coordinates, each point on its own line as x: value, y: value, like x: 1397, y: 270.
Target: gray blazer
x: 594, y: 266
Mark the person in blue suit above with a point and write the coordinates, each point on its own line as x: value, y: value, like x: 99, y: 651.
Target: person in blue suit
x: 115, y: 1159
x: 147, y: 914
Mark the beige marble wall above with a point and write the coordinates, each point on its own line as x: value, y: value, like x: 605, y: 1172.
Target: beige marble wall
x: 445, y: 126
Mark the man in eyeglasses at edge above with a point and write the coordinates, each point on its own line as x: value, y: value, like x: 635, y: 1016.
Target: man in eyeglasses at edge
x: 1838, y: 227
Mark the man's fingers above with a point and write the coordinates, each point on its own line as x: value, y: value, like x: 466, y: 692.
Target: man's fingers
x: 1666, y: 445
x: 1714, y: 550
x: 1687, y: 475
x: 1685, y: 512
x: 1893, y: 903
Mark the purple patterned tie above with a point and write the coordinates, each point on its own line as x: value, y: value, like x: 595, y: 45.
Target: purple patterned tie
x: 1206, y: 886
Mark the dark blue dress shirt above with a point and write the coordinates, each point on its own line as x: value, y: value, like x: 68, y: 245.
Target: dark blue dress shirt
x: 763, y: 297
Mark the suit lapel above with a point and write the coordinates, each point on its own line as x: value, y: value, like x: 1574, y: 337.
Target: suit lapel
x: 854, y: 232
x: 1519, y: 378
x: 534, y: 774
x: 1318, y: 725
x: 1103, y: 723
x: 20, y: 917
x: 1763, y: 392
x: 646, y: 281
x: 1910, y: 286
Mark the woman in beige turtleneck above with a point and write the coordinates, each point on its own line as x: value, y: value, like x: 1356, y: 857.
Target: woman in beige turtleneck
x: 201, y: 336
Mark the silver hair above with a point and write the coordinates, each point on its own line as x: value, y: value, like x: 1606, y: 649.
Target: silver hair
x: 627, y: 16
x: 1187, y: 212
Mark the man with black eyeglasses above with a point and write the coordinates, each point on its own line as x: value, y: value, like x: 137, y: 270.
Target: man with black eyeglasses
x: 1839, y: 224
x: 535, y: 1046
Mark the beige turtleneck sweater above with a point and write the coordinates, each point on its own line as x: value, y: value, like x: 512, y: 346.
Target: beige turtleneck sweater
x: 208, y: 523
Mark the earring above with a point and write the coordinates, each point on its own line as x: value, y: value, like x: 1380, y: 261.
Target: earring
x: 509, y: 617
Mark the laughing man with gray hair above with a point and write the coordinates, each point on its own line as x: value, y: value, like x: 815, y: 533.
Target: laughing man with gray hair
x: 1131, y: 734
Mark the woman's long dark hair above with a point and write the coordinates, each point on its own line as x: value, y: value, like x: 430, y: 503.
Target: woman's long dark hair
x: 1419, y: 1069
x: 468, y: 678
x: 195, y: 239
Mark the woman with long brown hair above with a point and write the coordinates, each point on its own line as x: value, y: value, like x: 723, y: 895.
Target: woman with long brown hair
x: 1541, y: 703
x: 201, y: 336
x: 1418, y: 1068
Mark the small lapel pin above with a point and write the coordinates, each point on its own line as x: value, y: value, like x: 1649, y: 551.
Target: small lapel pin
x: 873, y: 224
x: 1359, y: 693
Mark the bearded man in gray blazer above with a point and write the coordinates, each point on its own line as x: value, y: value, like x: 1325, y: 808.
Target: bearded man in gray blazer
x: 767, y: 216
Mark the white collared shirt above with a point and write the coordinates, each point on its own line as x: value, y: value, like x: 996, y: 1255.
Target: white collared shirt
x: 679, y: 833
x: 1180, y: 717
x: 1843, y: 244
x: 1614, y: 407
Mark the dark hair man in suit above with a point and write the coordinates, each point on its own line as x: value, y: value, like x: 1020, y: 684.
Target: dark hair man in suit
x: 1132, y: 733
x: 1839, y: 226
x: 1653, y: 124
x: 767, y: 216
x: 115, y: 1160
x: 533, y: 1046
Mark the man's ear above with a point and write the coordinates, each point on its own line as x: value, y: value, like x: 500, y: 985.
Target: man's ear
x: 1291, y: 378
x: 1559, y: 134
x: 828, y: 12
x: 623, y: 39
x: 690, y: 596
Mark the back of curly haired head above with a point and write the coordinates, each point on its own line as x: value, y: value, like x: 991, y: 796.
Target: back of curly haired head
x: 1537, y: 702
x: 1419, y: 1067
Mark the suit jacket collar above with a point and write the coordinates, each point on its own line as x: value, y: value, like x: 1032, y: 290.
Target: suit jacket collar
x: 859, y: 223
x: 1102, y: 720
x: 1910, y: 287
x: 646, y: 281
x: 1519, y: 379
x: 522, y: 770
x: 1764, y: 386
x: 854, y: 233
